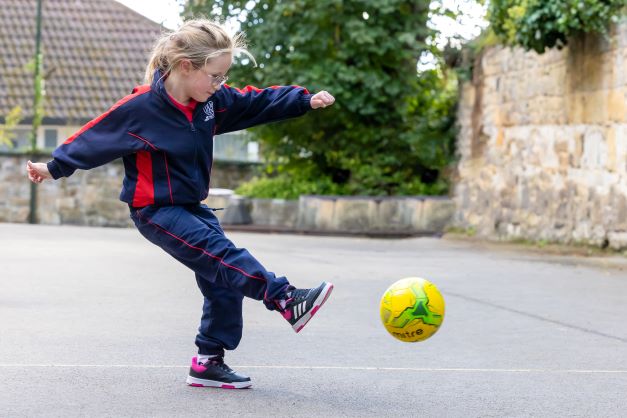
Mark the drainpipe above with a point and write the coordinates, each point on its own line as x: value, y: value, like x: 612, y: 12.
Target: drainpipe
x: 37, y: 113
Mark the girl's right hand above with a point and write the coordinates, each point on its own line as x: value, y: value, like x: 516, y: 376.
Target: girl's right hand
x: 37, y: 172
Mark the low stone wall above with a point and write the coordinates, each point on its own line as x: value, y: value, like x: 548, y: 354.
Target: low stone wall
x: 375, y: 215
x: 91, y: 198
x: 340, y: 214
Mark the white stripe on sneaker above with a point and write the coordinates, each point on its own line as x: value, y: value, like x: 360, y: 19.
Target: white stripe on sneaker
x: 319, y: 301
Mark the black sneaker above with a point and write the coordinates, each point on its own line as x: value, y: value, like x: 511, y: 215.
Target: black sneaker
x: 214, y: 373
x: 302, y: 304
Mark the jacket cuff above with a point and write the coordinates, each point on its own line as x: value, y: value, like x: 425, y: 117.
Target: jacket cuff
x: 305, y: 102
x: 54, y: 169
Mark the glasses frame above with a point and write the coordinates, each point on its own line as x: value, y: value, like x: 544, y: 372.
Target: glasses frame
x: 217, y: 80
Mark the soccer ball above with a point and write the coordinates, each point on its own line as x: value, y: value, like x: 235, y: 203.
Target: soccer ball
x: 412, y: 309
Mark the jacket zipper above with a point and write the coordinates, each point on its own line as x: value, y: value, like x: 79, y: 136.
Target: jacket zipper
x: 196, y: 165
x: 193, y: 130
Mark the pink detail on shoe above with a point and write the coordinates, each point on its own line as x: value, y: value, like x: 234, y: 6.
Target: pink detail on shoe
x: 287, y: 314
x: 301, y: 327
x: 327, y: 295
x: 196, y: 385
x: 314, y: 310
x: 228, y: 386
x: 199, y: 368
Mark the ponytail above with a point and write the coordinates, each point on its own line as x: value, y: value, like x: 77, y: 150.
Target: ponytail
x: 198, y: 40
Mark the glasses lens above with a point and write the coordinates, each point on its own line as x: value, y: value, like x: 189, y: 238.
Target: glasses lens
x: 219, y: 79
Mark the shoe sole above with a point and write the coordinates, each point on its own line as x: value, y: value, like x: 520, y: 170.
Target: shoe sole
x: 200, y: 383
x: 322, y: 297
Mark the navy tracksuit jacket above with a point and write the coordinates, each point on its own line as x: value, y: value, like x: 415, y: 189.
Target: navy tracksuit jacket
x: 167, y: 161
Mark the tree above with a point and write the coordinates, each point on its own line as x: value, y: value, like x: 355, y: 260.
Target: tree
x: 540, y: 24
x: 381, y: 137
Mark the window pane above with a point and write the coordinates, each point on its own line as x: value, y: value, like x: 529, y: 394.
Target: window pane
x: 50, y: 138
x: 21, y: 140
x: 235, y: 146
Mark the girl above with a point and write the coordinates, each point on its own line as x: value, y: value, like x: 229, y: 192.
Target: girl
x: 164, y: 133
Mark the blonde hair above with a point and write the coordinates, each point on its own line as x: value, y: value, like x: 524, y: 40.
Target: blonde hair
x: 198, y: 40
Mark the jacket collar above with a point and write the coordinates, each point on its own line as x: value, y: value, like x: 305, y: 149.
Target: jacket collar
x: 158, y: 85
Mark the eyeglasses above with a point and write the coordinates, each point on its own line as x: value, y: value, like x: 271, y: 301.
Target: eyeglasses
x: 218, y: 79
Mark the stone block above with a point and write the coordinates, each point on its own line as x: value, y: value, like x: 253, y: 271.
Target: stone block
x: 72, y: 216
x: 393, y: 214
x: 575, y: 108
x: 594, y: 149
x: 274, y: 212
x: 353, y: 214
x: 237, y: 212
x: 220, y: 202
x: 434, y: 215
x: 326, y: 215
x: 20, y: 215
x: 617, y: 108
x: 595, y: 107
x: 64, y: 203
x: 307, y: 212
x: 261, y: 211
x: 284, y: 213
x: 617, y: 240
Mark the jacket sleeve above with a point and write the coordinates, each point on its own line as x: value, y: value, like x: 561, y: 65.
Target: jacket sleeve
x: 98, y: 142
x: 238, y: 109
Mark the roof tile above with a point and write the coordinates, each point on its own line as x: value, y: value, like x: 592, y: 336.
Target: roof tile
x: 94, y: 52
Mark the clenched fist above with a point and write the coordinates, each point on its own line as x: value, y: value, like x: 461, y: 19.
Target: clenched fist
x: 37, y: 172
x: 322, y: 99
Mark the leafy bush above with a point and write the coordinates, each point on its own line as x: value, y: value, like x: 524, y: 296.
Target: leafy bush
x: 391, y: 129
x: 287, y: 186
x: 540, y: 24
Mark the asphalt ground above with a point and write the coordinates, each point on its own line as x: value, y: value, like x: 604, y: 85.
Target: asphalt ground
x: 98, y: 322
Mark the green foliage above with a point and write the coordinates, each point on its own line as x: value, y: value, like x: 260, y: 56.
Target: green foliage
x: 288, y: 186
x: 390, y: 130
x: 11, y: 120
x: 540, y: 24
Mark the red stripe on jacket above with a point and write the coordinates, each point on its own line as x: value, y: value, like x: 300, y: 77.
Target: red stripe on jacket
x: 136, y: 92
x: 145, y: 188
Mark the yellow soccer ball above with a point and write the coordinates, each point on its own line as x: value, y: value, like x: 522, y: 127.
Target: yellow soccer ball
x: 412, y: 309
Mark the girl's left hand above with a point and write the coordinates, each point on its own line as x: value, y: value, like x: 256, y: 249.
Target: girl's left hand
x: 37, y: 172
x: 321, y: 99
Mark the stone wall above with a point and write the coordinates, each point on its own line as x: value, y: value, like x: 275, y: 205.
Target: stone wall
x: 91, y: 198
x: 543, y: 144
x: 363, y: 215
x: 87, y: 197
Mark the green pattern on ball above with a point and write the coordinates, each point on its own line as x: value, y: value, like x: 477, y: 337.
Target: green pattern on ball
x: 407, y: 303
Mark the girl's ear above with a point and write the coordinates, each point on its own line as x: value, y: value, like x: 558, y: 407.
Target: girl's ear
x: 186, y: 66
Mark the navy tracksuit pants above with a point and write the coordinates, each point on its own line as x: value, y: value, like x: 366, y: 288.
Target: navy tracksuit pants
x: 224, y: 273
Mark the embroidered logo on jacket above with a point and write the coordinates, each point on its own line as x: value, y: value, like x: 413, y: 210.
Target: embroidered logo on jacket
x: 208, y: 111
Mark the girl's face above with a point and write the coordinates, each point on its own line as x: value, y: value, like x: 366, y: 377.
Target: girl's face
x: 202, y: 83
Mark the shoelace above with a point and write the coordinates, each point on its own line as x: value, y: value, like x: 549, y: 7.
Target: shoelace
x: 220, y: 363
x: 298, y: 294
